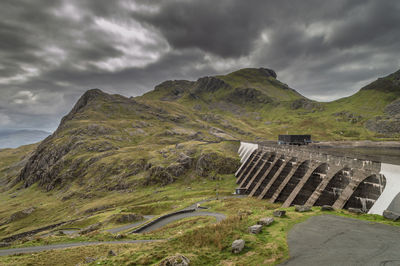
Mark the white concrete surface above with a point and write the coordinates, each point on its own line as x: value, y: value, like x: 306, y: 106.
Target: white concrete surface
x: 245, y: 151
x: 392, y: 188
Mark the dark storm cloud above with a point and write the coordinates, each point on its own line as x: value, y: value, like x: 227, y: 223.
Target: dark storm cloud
x: 53, y: 50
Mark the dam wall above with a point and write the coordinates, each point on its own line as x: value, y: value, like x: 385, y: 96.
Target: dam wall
x: 300, y: 175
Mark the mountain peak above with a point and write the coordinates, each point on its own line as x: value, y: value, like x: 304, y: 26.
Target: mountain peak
x: 266, y: 72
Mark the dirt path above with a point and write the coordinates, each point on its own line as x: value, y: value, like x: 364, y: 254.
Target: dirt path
x: 335, y: 240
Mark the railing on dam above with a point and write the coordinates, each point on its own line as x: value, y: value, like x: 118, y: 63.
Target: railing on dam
x: 294, y: 175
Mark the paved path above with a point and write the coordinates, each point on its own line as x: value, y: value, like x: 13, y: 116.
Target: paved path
x: 129, y: 226
x: 334, y: 240
x: 167, y: 220
x: 13, y: 251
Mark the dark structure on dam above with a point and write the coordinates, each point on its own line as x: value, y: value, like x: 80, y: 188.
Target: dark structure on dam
x: 305, y: 176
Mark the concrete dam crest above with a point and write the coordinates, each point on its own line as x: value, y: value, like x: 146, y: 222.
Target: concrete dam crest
x: 300, y: 175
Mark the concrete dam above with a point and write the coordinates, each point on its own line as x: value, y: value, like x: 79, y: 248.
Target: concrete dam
x: 300, y: 175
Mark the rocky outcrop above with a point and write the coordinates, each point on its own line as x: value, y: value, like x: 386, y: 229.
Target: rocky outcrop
x: 213, y: 163
x: 386, y: 125
x: 208, y: 85
x: 346, y: 116
x: 173, y: 89
x: 177, y: 260
x: 249, y: 95
x: 393, y: 108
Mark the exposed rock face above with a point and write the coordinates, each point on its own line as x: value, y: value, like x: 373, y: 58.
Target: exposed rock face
x: 177, y: 260
x: 174, y: 89
x: 345, y: 116
x: 209, y: 84
x: 212, y: 162
x: 393, y: 108
x: 384, y: 124
x: 237, y: 246
x: 268, y: 72
x: 249, y: 95
x: 304, y: 104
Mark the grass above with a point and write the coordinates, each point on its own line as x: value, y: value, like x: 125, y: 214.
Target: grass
x: 199, y: 238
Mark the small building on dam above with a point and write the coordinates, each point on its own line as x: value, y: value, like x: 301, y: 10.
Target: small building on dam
x: 301, y: 175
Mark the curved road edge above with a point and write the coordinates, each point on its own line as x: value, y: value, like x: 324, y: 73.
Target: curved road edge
x: 14, y: 251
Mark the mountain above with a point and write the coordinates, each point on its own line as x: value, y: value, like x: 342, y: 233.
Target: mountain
x: 16, y: 138
x: 111, y: 142
x: 114, y: 157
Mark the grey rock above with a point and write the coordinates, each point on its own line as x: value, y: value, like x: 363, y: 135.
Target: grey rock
x: 327, y: 208
x: 266, y: 221
x: 237, y: 246
x: 302, y: 208
x: 279, y: 213
x: 111, y: 253
x: 356, y: 210
x: 255, y: 229
x: 391, y: 215
x: 177, y: 260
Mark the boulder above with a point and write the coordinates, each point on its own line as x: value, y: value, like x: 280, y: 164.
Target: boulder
x: 356, y: 210
x: 327, y: 208
x: 237, y: 246
x: 391, y: 215
x: 255, y: 229
x: 177, y: 260
x: 302, y: 208
x: 266, y: 221
x: 279, y: 213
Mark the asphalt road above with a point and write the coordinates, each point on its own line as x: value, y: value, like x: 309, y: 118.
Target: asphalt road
x: 129, y: 226
x: 334, y: 240
x: 13, y: 251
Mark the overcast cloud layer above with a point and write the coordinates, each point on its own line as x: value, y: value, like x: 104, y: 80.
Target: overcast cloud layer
x: 54, y: 50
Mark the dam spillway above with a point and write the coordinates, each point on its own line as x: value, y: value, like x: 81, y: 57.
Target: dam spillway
x: 300, y: 175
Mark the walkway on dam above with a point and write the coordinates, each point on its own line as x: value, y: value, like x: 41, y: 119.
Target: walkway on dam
x: 334, y: 240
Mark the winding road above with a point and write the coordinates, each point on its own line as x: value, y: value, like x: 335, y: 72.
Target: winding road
x: 13, y: 251
x: 156, y: 225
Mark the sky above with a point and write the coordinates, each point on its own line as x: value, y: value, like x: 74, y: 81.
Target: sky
x: 52, y: 51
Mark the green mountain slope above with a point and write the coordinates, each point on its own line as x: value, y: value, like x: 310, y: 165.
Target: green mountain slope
x: 111, y: 150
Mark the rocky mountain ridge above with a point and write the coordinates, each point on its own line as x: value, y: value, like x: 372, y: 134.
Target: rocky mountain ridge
x: 190, y: 129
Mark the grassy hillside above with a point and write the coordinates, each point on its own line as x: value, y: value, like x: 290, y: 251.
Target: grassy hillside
x: 170, y: 148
